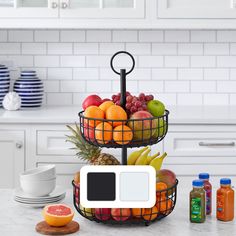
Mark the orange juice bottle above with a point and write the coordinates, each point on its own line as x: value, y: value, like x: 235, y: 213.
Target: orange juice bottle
x: 225, y: 201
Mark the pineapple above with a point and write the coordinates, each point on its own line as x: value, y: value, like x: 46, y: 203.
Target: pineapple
x: 87, y: 152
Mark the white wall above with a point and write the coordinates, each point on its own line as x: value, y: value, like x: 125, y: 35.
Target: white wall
x: 187, y: 67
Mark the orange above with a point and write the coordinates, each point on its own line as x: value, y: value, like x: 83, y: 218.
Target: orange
x: 122, y: 134
x: 105, y: 105
x: 103, y: 133
x: 117, y: 114
x: 93, y: 112
x: 150, y: 213
x: 160, y: 186
x: 137, y: 212
x: 164, y: 206
x: 58, y: 215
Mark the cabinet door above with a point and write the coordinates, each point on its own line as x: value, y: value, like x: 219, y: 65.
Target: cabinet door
x: 12, y: 157
x: 196, y: 9
x: 29, y: 8
x: 113, y: 9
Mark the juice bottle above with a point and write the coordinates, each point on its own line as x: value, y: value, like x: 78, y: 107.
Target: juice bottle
x: 198, y: 202
x: 208, y: 188
x: 225, y: 201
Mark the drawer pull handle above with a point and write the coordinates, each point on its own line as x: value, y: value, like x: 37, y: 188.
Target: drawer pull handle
x: 19, y: 145
x: 203, y: 144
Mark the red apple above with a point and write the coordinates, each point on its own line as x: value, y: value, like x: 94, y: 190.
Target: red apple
x: 105, y: 100
x: 142, y: 125
x: 92, y: 100
x: 89, y: 132
x: 120, y: 214
x: 103, y: 213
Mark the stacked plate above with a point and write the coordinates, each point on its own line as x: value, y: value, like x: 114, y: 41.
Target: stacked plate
x: 4, y: 82
x: 30, y: 89
x: 27, y: 200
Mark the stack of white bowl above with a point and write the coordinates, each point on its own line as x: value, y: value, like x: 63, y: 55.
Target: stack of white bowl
x: 40, y: 181
x: 4, y: 82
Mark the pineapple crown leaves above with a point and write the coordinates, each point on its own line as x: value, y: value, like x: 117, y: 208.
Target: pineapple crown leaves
x: 85, y: 151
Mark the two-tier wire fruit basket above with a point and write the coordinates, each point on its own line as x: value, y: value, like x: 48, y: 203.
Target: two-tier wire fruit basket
x: 144, y: 132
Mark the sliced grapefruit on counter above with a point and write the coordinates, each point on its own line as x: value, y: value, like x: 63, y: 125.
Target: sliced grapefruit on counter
x: 58, y: 215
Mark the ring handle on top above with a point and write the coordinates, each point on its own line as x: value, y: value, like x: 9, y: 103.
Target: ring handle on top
x: 122, y: 52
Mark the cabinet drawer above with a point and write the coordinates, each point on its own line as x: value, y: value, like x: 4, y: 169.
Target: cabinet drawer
x: 200, y: 144
x: 53, y: 142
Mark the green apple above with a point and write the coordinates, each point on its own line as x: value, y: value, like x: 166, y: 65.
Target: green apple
x: 89, y: 212
x: 161, y: 128
x: 157, y: 108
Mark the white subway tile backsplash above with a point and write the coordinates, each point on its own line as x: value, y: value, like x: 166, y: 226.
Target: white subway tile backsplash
x: 203, y: 36
x: 34, y: 48
x: 183, y: 67
x: 3, y: 35
x: 216, y: 49
x: 139, y: 48
x: 20, y: 36
x: 216, y: 99
x: 110, y: 48
x: 164, y: 48
x: 46, y: 36
x: 177, y: 86
x: 190, y: 49
x: 125, y: 36
x: 151, y: 86
x: 72, y: 61
x: 216, y: 74
x: 203, y: 86
x: 59, y: 99
x: 85, y: 48
x: 151, y: 61
x: 59, y: 73
x: 151, y: 36
x: 190, y: 74
x: 60, y: 48
x: 177, y: 36
x: 46, y: 61
x: 99, y: 36
x: 72, y: 36
x: 164, y: 74
x: 85, y: 73
x: 177, y: 61
x: 187, y: 99
x: 10, y: 48
x: 203, y: 61
x: 73, y: 86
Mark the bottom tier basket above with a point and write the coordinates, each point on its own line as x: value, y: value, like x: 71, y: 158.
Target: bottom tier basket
x: 165, y: 203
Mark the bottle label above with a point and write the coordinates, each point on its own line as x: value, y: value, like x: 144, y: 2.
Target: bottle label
x: 208, y: 201
x: 196, y: 209
x: 220, y: 206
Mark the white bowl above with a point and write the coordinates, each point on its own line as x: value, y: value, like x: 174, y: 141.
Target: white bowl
x: 38, y: 188
x: 40, y: 173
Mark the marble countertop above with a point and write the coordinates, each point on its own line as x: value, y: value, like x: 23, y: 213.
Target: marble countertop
x: 69, y: 114
x: 16, y: 220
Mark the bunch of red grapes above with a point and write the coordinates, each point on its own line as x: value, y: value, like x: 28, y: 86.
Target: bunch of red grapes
x: 134, y: 103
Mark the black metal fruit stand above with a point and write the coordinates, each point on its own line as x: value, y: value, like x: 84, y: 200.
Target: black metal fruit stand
x: 169, y: 194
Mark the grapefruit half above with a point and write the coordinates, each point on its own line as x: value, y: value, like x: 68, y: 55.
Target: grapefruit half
x: 58, y: 215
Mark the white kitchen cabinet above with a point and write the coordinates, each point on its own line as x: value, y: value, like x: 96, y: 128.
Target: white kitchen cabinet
x: 29, y: 8
x: 12, y: 146
x: 196, y: 9
x: 102, y: 9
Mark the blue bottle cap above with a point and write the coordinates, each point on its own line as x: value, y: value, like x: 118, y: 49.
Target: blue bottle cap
x: 204, y: 176
x: 225, y: 181
x: 198, y: 183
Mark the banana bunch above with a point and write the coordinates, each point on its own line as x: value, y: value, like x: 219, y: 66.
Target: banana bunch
x: 141, y: 157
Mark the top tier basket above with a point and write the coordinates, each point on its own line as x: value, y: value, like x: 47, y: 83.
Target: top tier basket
x: 147, y: 131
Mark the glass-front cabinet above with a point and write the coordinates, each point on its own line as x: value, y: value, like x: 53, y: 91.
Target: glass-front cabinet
x: 196, y: 9
x: 114, y: 9
x: 29, y: 8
